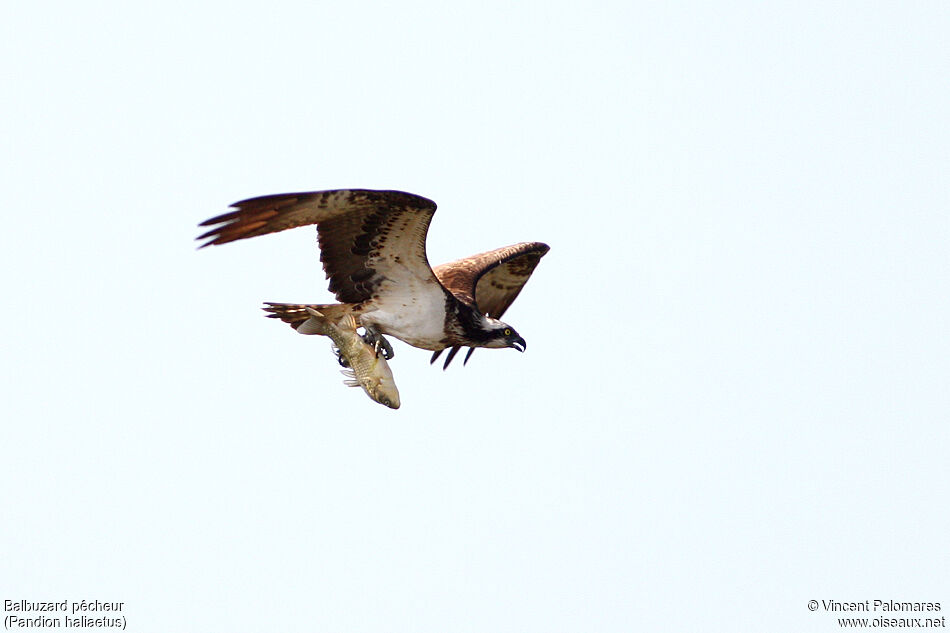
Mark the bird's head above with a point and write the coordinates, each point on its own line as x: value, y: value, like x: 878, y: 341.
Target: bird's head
x: 503, y: 335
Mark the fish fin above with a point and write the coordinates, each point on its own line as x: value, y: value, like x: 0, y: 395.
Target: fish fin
x: 351, y: 380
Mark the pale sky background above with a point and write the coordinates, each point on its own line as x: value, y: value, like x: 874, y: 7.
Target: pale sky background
x: 735, y: 394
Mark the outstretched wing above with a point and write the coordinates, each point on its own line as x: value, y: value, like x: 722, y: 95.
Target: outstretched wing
x: 490, y: 281
x: 371, y: 242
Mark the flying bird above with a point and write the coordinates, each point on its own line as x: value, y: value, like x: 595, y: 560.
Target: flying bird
x: 373, y: 250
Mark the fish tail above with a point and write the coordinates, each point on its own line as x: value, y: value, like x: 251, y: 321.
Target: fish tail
x: 316, y: 324
x: 295, y: 314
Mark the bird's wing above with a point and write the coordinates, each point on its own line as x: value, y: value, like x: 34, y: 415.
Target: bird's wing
x: 371, y: 242
x: 490, y: 281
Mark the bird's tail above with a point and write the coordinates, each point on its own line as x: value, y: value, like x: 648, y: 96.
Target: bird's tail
x: 296, y: 313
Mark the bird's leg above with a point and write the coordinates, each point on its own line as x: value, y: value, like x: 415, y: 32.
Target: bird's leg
x: 378, y: 341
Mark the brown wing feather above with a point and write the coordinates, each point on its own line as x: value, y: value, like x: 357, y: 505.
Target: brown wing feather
x: 490, y: 281
x: 365, y: 236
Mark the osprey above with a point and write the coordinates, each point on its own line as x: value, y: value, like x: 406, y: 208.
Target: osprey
x: 372, y: 246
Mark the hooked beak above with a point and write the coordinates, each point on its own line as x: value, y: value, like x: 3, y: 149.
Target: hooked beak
x: 518, y: 344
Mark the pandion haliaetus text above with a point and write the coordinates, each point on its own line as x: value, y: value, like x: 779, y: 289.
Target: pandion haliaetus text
x: 372, y: 246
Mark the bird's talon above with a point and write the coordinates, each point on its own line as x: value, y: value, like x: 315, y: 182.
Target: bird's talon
x: 340, y: 358
x: 384, y: 346
x: 379, y: 343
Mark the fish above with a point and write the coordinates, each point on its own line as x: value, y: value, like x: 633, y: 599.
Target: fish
x: 366, y: 367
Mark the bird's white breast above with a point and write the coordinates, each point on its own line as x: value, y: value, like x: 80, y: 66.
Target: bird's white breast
x: 412, y: 311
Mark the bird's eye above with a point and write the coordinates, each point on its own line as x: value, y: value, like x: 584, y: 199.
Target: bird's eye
x: 507, y: 331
